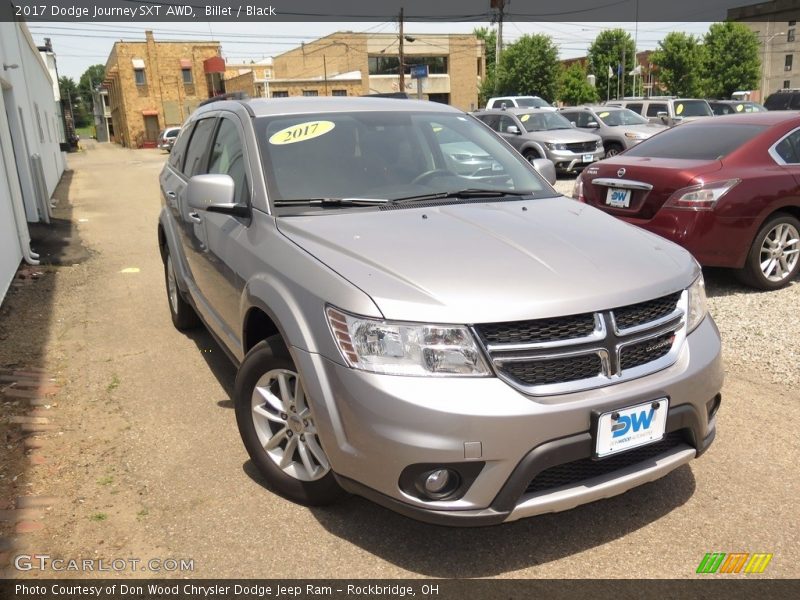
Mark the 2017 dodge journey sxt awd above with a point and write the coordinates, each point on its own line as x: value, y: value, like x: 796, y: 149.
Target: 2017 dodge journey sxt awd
x: 464, y: 346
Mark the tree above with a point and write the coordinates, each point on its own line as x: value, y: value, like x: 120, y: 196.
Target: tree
x: 606, y: 51
x: 71, y: 96
x: 731, y: 59
x: 489, y: 37
x: 91, y: 78
x: 574, y: 88
x: 529, y: 67
x: 679, y: 58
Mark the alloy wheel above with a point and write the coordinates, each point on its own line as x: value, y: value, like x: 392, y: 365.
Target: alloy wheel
x: 780, y: 251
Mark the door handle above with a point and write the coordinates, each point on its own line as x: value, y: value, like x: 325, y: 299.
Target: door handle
x: 193, y: 216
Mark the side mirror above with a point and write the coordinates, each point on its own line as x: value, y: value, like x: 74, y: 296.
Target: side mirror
x: 662, y: 114
x: 546, y: 169
x: 593, y: 125
x: 573, y: 123
x: 214, y: 193
x: 512, y: 129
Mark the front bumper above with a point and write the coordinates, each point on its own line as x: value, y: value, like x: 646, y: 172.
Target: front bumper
x: 372, y: 427
x: 566, y: 160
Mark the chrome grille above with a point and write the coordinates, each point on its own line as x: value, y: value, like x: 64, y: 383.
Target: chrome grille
x: 588, y: 350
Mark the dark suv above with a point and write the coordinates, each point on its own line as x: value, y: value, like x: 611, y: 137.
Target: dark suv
x: 788, y: 99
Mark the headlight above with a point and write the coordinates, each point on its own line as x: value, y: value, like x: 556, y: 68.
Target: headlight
x: 554, y: 146
x: 406, y: 348
x: 599, y: 144
x: 697, y: 304
x: 636, y: 136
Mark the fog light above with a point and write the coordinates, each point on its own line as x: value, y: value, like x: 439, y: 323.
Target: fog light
x: 439, y: 483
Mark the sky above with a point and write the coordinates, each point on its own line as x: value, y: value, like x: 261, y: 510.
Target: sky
x: 80, y: 45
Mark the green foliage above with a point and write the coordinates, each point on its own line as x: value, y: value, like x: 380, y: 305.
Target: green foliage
x: 574, y: 88
x: 679, y: 59
x: 731, y: 59
x: 489, y: 37
x: 529, y: 67
x: 91, y: 78
x: 70, y: 94
x: 606, y: 51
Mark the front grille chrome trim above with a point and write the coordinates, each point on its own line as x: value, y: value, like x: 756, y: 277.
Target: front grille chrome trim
x: 606, y: 341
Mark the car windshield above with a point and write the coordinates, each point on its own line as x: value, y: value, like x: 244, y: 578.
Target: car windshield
x: 703, y: 142
x: 532, y: 103
x: 543, y: 121
x: 380, y: 156
x: 692, y: 108
x: 615, y: 118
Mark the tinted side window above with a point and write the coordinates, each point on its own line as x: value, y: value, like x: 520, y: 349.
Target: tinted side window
x: 637, y: 107
x: 794, y: 103
x: 654, y: 108
x: 788, y: 148
x: 574, y: 117
x: 500, y: 101
x: 179, y: 149
x: 227, y: 157
x: 198, y: 148
x: 492, y: 121
x: 779, y: 101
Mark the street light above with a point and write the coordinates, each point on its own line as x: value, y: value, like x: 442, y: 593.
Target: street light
x: 765, y: 65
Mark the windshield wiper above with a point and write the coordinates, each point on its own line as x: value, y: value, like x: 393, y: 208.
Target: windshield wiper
x: 333, y: 202
x: 467, y: 193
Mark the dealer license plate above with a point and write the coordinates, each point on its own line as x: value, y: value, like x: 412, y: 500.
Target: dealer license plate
x: 588, y: 158
x: 627, y: 428
x: 618, y: 198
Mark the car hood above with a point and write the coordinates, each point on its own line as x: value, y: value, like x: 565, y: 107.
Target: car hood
x: 645, y: 128
x: 503, y: 261
x: 562, y: 136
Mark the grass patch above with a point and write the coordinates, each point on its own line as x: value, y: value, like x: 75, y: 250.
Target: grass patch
x: 114, y: 383
x: 107, y: 480
x: 86, y: 133
x: 142, y: 513
x: 97, y: 517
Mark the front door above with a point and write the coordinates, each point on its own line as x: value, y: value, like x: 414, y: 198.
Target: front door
x: 150, y: 128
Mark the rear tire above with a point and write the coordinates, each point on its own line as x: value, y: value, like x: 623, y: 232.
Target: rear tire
x: 277, y: 426
x: 531, y: 155
x: 182, y: 313
x: 774, y: 257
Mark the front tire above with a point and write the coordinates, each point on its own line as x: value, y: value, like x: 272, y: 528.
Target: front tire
x: 612, y: 149
x: 278, y: 429
x: 774, y: 257
x: 531, y: 155
x: 183, y: 316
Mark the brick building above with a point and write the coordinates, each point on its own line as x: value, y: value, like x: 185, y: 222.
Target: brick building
x: 353, y: 64
x: 152, y: 85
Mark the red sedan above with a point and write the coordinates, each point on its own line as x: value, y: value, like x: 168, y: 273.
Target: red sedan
x: 725, y: 188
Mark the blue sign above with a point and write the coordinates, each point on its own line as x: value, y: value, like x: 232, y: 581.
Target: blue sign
x: 419, y: 71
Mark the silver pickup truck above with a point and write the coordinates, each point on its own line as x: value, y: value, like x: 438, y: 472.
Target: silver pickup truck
x: 464, y: 346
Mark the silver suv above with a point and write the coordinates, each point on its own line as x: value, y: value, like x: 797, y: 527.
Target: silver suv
x: 465, y: 348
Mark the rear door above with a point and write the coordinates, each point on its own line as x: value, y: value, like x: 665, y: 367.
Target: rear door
x: 786, y: 152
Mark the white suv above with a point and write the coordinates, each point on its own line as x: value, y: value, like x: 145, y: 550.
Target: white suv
x: 519, y: 102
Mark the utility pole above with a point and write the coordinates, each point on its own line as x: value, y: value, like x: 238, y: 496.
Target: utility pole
x: 499, y: 6
x: 325, y: 69
x: 624, y: 68
x: 402, y: 66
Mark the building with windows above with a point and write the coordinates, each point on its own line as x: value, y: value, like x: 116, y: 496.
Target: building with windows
x: 152, y: 85
x: 776, y: 25
x: 355, y: 64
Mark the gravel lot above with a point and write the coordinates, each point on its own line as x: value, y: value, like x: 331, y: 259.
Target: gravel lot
x: 758, y: 328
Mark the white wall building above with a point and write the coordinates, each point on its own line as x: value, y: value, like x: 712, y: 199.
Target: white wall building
x: 28, y: 128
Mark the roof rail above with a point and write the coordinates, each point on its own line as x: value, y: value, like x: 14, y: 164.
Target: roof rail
x: 228, y: 96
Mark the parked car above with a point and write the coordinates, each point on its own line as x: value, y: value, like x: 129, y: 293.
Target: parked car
x: 788, y: 99
x: 166, y: 139
x: 619, y: 128
x: 732, y: 107
x: 537, y: 134
x: 666, y: 110
x: 727, y: 189
x: 518, y: 102
x: 462, y: 350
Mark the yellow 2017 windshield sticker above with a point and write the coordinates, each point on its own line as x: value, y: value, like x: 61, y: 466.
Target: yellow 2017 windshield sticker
x: 301, y: 132
x: 678, y: 109
x: 524, y: 118
x: 603, y: 115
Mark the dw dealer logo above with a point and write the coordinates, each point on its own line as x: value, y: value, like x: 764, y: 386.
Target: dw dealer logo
x: 737, y: 562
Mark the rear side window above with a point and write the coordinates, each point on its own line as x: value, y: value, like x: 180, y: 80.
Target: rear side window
x: 635, y: 107
x: 708, y: 142
x: 789, y: 148
x: 492, y: 121
x: 654, y: 109
x: 500, y: 101
x: 198, y: 148
x: 179, y: 149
